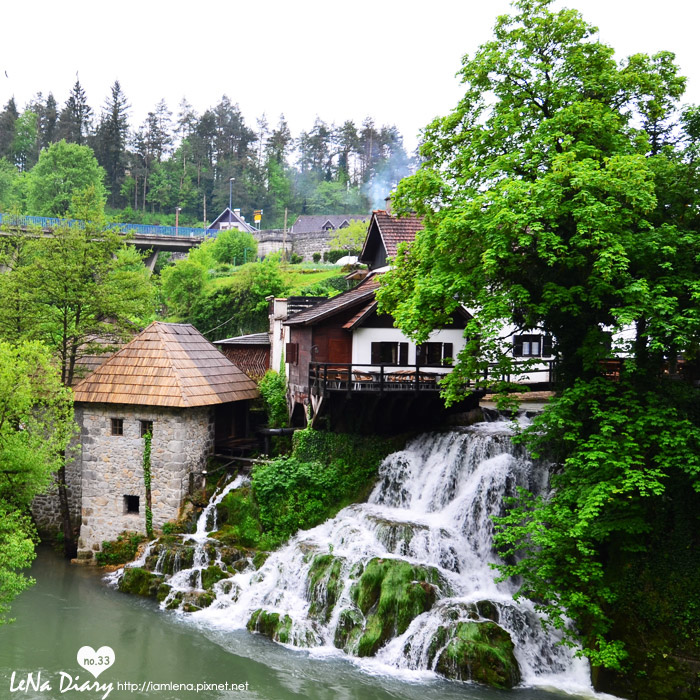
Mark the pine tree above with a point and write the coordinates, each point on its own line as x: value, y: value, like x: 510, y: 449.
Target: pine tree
x: 75, y: 119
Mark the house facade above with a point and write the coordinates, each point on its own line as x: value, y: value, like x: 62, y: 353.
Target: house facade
x: 171, y: 387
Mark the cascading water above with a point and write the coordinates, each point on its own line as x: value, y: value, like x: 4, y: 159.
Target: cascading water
x: 428, y: 525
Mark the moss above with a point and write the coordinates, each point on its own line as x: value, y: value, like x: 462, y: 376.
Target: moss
x: 259, y: 559
x: 140, y: 582
x: 238, y: 519
x: 175, y: 601
x: 211, y: 575
x: 121, y: 550
x: 481, y: 652
x: 349, y: 630
x: 324, y: 585
x: 270, y: 625
x: 163, y: 592
x: 391, y: 593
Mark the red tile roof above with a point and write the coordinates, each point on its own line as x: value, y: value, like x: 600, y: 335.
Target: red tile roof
x: 395, y: 230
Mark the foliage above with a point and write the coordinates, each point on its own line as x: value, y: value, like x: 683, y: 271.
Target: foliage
x: 75, y: 289
x: 63, y: 170
x: 121, y: 550
x: 618, y: 448
x: 234, y: 247
x: 147, y: 440
x: 36, y: 425
x: 560, y: 195
x: 325, y: 472
x: 273, y: 389
x: 350, y: 238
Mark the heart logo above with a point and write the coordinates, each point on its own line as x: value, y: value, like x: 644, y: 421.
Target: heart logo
x: 95, y: 661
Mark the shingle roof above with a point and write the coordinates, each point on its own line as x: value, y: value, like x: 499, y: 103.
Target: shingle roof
x: 309, y: 223
x: 393, y: 230
x: 362, y: 294
x: 167, y: 364
x: 250, y: 339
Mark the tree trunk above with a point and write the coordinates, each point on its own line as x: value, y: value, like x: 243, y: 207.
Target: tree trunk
x: 70, y: 548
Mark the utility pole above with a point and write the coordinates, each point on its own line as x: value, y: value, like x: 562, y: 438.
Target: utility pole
x: 284, y: 235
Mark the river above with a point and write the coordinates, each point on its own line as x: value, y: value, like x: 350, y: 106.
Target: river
x: 71, y: 606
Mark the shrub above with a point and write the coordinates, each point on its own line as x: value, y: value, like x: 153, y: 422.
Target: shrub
x: 121, y: 550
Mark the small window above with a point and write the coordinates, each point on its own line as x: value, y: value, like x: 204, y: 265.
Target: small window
x: 386, y: 353
x: 146, y: 427
x: 434, y: 354
x: 117, y: 426
x: 291, y: 350
x: 131, y: 504
x: 532, y: 346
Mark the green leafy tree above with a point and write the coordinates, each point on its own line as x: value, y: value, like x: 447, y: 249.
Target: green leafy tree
x: 74, y: 290
x: 351, y: 237
x: 183, y: 284
x: 62, y: 171
x: 36, y: 426
x: 234, y: 247
x: 552, y: 199
x: 24, y: 143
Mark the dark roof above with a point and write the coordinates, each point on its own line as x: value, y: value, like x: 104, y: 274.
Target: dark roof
x: 229, y: 216
x: 360, y: 295
x: 251, y: 339
x: 167, y: 364
x: 308, y: 223
x: 392, y: 230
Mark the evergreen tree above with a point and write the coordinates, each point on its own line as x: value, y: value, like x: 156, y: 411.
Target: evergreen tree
x: 8, y: 117
x: 111, y: 139
x: 75, y: 119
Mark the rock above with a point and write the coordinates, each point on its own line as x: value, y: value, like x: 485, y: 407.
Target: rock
x: 478, y: 651
x: 140, y: 582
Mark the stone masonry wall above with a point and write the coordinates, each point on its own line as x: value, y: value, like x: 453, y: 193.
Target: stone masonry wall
x: 303, y: 244
x: 113, y: 466
x: 46, y: 508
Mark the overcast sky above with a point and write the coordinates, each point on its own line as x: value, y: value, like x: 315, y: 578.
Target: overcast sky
x: 393, y: 59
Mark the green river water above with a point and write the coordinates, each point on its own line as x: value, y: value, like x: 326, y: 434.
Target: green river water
x: 71, y: 607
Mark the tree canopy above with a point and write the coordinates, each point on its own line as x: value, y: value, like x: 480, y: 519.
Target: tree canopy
x: 36, y: 425
x: 561, y: 195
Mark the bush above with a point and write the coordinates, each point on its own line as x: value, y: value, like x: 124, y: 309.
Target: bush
x: 295, y: 259
x: 316, y: 257
x: 121, y: 550
x: 273, y: 388
x: 326, y: 472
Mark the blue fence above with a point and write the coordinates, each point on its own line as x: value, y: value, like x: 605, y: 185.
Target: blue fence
x: 45, y: 222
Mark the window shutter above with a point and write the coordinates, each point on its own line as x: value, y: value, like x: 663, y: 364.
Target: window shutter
x: 518, y: 346
x: 403, y: 353
x: 446, y: 352
x: 376, y: 354
x: 420, y: 354
x: 546, y: 345
x: 292, y: 353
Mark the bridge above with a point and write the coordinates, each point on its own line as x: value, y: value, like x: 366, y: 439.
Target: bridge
x: 174, y: 239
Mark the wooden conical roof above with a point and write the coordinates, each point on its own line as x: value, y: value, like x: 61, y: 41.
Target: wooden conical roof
x: 167, y: 364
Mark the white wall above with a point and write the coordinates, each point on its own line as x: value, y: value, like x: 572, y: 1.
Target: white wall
x: 364, y: 337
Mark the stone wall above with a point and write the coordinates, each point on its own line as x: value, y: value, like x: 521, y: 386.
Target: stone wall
x: 304, y: 244
x: 112, y: 466
x: 46, y: 508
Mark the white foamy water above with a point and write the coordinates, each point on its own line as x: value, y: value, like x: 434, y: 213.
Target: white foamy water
x: 432, y: 507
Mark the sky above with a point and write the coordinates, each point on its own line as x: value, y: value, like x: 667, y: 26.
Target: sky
x: 393, y: 60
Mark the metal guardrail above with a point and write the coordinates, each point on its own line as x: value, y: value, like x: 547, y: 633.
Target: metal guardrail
x: 48, y: 223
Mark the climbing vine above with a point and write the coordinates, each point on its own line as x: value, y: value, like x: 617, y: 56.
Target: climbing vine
x: 147, y: 438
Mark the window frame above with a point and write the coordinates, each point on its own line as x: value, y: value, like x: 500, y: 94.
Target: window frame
x: 117, y: 427
x: 398, y: 351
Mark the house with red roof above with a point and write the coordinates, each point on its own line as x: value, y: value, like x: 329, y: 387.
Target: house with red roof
x: 347, y: 362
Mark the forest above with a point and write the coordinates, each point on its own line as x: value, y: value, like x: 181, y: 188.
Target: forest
x: 196, y: 162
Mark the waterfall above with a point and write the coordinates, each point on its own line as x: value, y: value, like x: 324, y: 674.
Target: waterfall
x: 430, y: 517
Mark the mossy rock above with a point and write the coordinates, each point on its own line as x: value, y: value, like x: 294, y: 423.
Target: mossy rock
x: 390, y: 593
x: 480, y: 652
x: 175, y: 601
x: 231, y: 555
x: 270, y: 625
x: 138, y: 581
x: 121, y: 550
x: 259, y: 559
x: 349, y: 630
x: 324, y: 585
x: 211, y: 575
x: 163, y: 592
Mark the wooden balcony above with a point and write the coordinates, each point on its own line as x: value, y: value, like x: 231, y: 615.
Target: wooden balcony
x: 325, y: 377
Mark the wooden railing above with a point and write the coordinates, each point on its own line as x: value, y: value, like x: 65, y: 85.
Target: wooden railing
x: 354, y: 377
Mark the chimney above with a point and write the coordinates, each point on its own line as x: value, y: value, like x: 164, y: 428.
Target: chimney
x: 387, y: 204
x: 237, y: 212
